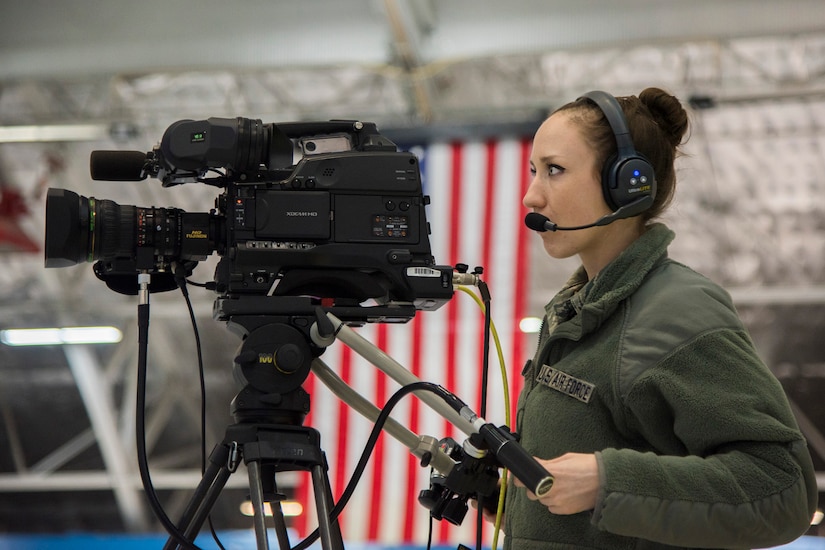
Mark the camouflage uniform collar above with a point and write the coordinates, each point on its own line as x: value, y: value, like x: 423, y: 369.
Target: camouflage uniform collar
x: 615, y: 282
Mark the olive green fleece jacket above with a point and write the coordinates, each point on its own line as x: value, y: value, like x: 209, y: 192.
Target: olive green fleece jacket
x: 649, y: 367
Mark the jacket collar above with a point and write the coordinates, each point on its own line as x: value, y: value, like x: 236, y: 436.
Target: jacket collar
x: 582, y: 305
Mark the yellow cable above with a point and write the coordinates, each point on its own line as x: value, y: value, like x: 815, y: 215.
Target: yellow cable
x: 506, y: 389
x: 503, y: 367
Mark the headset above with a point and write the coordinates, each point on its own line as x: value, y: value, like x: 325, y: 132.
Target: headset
x: 628, y: 180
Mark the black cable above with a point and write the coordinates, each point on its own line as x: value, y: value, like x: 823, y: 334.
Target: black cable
x: 383, y: 416
x: 140, y: 431
x: 485, y: 365
x: 430, y: 533
x: 181, y: 281
x: 485, y: 375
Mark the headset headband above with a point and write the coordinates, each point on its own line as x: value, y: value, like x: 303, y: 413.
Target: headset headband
x: 609, y: 105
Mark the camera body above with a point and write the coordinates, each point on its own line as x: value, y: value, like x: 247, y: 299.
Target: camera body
x: 352, y: 220
x: 345, y: 226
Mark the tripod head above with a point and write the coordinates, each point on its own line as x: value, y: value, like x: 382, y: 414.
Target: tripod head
x: 271, y: 365
x: 278, y: 346
x: 273, y: 359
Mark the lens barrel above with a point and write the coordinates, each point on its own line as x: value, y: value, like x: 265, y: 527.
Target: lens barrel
x: 68, y: 224
x: 81, y: 229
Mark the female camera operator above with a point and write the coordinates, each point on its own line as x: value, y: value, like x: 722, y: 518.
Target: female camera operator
x: 646, y: 399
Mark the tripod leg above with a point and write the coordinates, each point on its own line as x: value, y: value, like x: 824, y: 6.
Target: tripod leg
x: 323, y: 500
x: 256, y: 495
x: 204, y: 497
x: 335, y: 527
x: 278, y: 517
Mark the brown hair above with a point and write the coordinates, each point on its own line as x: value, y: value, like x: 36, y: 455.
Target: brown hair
x: 657, y: 123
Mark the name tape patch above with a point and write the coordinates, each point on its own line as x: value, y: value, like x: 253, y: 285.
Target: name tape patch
x: 566, y: 384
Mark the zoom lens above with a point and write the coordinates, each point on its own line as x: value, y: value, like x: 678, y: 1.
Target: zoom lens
x: 81, y: 229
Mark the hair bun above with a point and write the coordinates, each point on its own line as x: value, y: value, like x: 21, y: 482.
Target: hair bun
x: 668, y: 113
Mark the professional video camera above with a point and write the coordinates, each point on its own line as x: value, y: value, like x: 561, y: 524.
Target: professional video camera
x: 344, y: 226
x: 306, y: 249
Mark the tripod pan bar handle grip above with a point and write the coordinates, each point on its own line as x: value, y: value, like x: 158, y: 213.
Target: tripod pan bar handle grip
x: 512, y: 455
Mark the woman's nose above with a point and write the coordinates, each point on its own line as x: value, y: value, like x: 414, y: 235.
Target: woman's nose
x: 531, y: 199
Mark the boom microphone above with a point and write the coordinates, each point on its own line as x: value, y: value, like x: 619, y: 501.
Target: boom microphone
x: 541, y: 223
x: 118, y: 165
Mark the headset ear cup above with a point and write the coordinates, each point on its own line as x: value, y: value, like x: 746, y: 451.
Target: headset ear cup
x: 629, y: 180
x: 609, y: 183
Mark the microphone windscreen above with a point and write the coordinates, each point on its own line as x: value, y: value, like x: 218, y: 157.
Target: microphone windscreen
x: 536, y: 221
x: 117, y: 165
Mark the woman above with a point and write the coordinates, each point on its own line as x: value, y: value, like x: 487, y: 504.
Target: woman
x: 646, y: 399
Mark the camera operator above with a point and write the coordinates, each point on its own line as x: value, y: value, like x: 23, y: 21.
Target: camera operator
x: 646, y: 399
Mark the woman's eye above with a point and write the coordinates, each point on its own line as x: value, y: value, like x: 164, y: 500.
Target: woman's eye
x: 552, y: 170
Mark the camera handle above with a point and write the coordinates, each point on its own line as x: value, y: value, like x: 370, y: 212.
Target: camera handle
x: 500, y: 441
x: 268, y: 448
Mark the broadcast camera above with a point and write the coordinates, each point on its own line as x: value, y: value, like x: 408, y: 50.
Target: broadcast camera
x: 341, y: 236
x: 345, y: 226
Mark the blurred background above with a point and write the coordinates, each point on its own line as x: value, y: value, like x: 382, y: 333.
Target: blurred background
x: 463, y: 84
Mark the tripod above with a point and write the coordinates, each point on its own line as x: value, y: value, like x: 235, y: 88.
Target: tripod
x: 268, y: 437
x: 266, y: 449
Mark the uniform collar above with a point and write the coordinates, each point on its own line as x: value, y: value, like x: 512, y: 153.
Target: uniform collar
x: 582, y: 305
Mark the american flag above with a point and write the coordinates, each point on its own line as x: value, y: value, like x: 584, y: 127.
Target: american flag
x: 475, y: 217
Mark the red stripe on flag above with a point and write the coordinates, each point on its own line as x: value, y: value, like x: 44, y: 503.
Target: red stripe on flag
x: 378, y: 454
x: 341, y: 469
x: 412, y: 464
x: 456, y: 190
x: 491, y: 150
x: 522, y: 285
x: 303, y: 482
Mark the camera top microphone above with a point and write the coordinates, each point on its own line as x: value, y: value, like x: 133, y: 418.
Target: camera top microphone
x: 118, y: 165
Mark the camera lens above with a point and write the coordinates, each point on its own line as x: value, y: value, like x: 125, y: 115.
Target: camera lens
x: 81, y: 229
x: 68, y: 240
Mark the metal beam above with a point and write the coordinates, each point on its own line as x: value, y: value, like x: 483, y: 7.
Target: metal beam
x: 97, y: 398
x: 98, y: 480
x: 65, y: 452
x: 406, y: 33
x: 15, y: 446
x: 778, y: 295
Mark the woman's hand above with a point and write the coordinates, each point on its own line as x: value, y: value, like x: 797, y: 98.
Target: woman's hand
x: 576, y: 484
